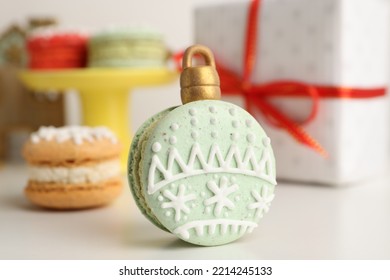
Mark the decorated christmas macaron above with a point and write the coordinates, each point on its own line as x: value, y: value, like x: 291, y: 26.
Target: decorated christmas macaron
x: 204, y: 171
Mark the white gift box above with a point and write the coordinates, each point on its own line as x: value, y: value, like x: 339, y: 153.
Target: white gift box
x: 343, y: 43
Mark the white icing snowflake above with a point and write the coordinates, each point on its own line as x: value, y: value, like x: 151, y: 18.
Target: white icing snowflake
x: 178, y: 201
x: 221, y: 194
x: 262, y: 203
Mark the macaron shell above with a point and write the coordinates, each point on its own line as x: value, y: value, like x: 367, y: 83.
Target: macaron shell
x: 135, y: 160
x: 208, y: 172
x: 69, y: 153
x: 73, y: 196
x: 57, y: 51
x: 123, y: 48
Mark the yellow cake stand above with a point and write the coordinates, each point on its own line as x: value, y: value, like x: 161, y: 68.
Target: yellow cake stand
x: 104, y: 93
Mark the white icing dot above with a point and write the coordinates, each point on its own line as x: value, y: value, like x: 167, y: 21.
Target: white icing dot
x: 248, y: 123
x: 237, y: 198
x: 212, y: 109
x: 266, y: 141
x: 156, y: 147
x: 172, y: 140
x: 226, y: 214
x: 250, y: 137
x: 185, y: 218
x: 160, y: 198
x: 78, y: 139
x: 232, y: 111
x: 234, y: 136
x: 193, y: 205
x: 233, y: 179
x: 173, y: 186
x: 194, y: 135
x: 208, y: 210
x: 35, y: 139
x: 167, y: 213
x: 194, y: 121
x: 214, y: 134
x: 215, y: 176
x: 249, y: 215
x: 213, y: 120
x: 174, y: 126
x: 203, y: 194
x: 192, y: 111
x: 235, y: 123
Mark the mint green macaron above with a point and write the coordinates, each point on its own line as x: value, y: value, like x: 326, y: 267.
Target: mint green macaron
x: 204, y: 171
x: 127, y: 47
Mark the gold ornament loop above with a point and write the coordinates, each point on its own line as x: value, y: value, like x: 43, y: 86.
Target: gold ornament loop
x: 199, y: 82
x: 198, y: 49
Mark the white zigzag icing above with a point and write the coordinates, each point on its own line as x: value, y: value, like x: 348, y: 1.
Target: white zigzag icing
x: 236, y: 226
x: 248, y: 165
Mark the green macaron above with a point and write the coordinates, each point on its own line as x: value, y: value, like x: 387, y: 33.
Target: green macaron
x: 126, y: 47
x: 204, y: 171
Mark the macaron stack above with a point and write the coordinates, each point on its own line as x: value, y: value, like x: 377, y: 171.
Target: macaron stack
x: 73, y: 167
x: 56, y: 49
x: 127, y: 48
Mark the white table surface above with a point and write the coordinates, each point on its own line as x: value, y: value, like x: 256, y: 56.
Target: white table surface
x: 305, y: 222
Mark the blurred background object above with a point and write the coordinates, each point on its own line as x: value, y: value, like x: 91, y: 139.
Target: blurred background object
x: 12, y: 49
x: 173, y: 19
x: 21, y: 111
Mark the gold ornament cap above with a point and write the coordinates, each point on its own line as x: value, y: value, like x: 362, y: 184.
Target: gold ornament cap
x: 202, y: 81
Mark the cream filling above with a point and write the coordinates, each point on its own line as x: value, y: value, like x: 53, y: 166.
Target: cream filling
x: 76, y: 175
